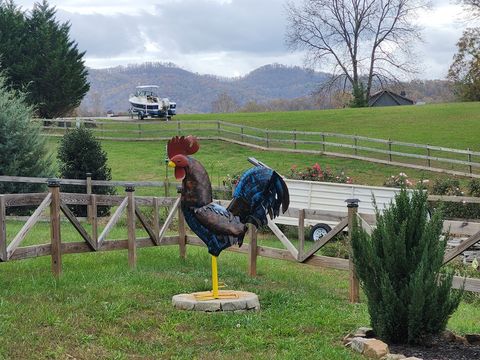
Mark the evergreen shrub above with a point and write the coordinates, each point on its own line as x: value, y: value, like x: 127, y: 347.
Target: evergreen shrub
x: 457, y: 210
x: 80, y: 153
x: 400, y: 269
x: 23, y: 150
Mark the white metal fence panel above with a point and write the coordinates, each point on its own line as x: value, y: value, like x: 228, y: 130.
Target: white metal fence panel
x: 331, y: 196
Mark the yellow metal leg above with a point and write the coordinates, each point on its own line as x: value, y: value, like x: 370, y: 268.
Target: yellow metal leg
x: 214, y: 277
x: 215, y: 293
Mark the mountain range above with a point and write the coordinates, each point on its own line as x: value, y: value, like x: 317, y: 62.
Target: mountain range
x: 194, y: 93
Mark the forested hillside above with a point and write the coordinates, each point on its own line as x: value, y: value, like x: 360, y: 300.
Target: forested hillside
x: 195, y: 93
x: 110, y: 88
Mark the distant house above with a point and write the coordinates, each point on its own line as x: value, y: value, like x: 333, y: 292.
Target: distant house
x: 389, y: 98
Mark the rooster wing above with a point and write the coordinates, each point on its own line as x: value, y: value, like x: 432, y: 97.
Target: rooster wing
x: 260, y: 191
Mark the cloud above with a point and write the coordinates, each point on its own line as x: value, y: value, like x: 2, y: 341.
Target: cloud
x: 222, y: 37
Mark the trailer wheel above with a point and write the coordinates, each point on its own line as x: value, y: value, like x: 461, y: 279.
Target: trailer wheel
x: 318, y: 231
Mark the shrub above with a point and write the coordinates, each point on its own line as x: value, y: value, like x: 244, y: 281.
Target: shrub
x: 23, y: 150
x: 316, y: 173
x: 80, y: 153
x: 398, y: 181
x: 451, y: 187
x: 400, y: 269
x: 474, y: 187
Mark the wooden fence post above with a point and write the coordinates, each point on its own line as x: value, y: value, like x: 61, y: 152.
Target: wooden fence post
x: 428, y: 155
x: 241, y: 130
x: 253, y: 251
x: 323, y: 142
x: 301, y: 233
x: 354, y: 294
x: 132, y: 248
x: 3, y: 232
x: 55, y: 236
x: 295, y: 138
x: 355, y: 141
x: 89, y: 192
x: 178, y: 128
x: 93, y: 198
x: 182, y: 234
x: 267, y: 138
x: 218, y: 128
x: 470, y: 160
x: 389, y: 150
x: 156, y: 219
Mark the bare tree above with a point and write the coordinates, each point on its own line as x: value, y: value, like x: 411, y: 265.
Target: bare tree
x: 224, y: 103
x: 471, y: 5
x: 361, y: 40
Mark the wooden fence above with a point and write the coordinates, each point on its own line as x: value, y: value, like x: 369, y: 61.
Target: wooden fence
x: 464, y: 162
x: 57, y: 203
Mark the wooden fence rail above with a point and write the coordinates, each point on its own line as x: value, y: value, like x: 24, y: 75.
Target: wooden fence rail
x: 130, y: 204
x: 463, y: 162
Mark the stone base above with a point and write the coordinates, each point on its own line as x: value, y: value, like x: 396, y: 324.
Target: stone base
x: 244, y: 301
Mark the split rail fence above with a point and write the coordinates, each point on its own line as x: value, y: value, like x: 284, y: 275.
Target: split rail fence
x: 463, y: 162
x: 55, y: 203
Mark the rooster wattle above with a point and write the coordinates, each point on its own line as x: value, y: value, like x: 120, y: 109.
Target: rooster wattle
x: 260, y: 191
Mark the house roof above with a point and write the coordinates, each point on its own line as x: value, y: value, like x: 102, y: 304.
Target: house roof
x: 399, y: 99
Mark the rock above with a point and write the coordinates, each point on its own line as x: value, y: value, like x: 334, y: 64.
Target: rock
x: 448, y: 336
x: 375, y: 349
x: 232, y: 306
x: 412, y: 358
x: 182, y: 302
x: 252, y: 303
x: 358, y: 344
x: 393, y: 357
x: 208, y: 306
x: 473, y: 339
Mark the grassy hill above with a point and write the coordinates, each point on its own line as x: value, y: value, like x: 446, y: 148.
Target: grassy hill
x: 454, y: 125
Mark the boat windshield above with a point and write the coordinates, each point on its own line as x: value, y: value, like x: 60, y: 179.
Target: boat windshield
x: 147, y: 91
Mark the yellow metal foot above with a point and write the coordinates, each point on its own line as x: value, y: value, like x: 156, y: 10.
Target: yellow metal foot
x: 222, y: 294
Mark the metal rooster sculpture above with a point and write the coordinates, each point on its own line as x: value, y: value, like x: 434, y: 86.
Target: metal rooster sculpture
x: 260, y: 191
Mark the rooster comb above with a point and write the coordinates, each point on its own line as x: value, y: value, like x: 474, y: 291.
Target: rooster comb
x: 182, y: 145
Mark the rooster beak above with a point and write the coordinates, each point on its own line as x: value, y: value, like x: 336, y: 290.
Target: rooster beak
x: 171, y: 164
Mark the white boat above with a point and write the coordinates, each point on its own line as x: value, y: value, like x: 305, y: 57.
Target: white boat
x: 146, y: 102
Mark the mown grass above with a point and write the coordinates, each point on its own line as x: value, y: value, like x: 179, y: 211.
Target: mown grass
x: 145, y: 161
x: 99, y: 309
x: 451, y: 125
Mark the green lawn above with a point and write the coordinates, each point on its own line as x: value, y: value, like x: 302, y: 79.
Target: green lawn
x: 144, y: 161
x: 99, y: 309
x: 451, y: 125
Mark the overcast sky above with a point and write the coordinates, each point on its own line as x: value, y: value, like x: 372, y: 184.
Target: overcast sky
x: 221, y: 37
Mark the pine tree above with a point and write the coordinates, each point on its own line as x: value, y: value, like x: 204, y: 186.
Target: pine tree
x: 23, y: 150
x: 58, y: 78
x: 400, y: 269
x: 12, y: 40
x: 80, y: 153
x: 38, y: 56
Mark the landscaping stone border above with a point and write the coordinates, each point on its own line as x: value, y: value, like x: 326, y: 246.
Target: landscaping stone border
x: 245, y: 301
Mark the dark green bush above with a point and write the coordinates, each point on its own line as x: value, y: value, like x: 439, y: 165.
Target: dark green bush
x: 23, y: 150
x: 400, y: 269
x: 80, y: 153
x: 451, y: 187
